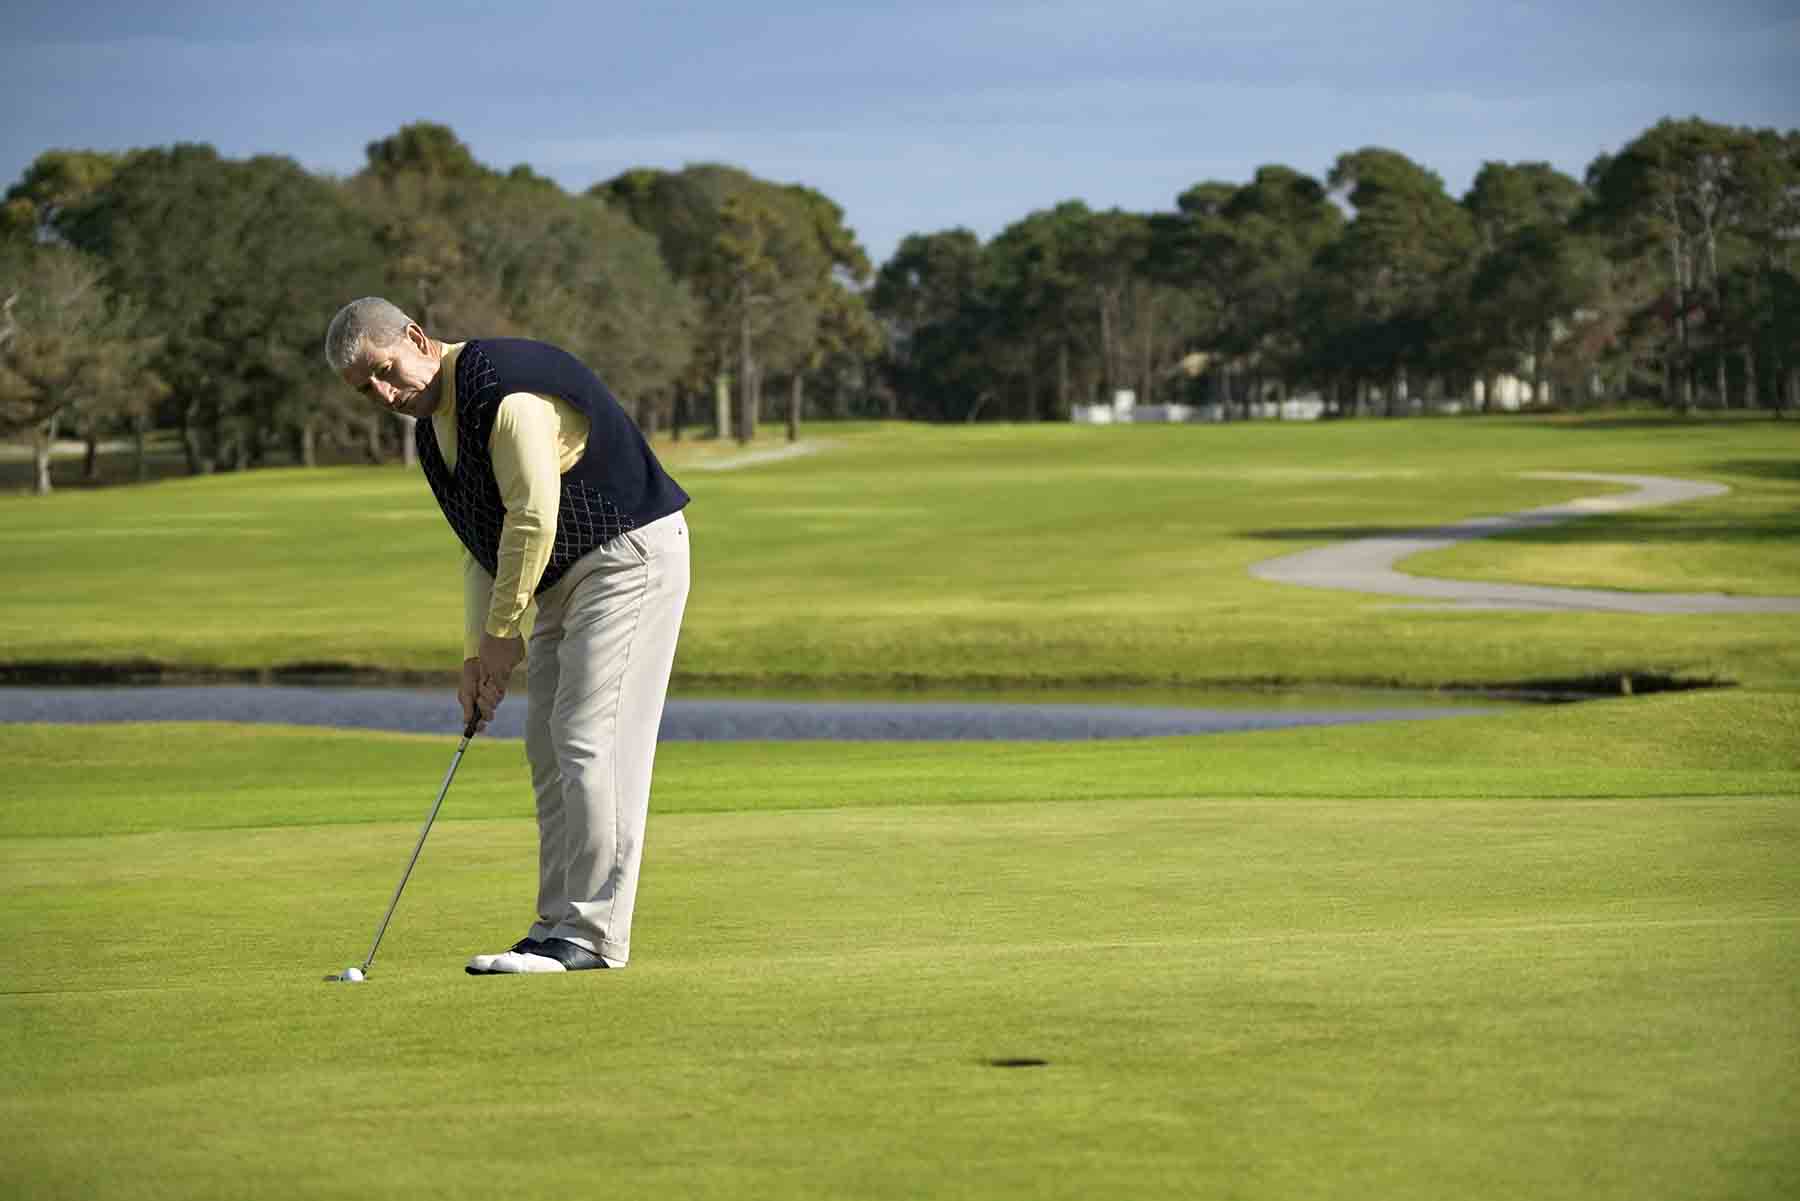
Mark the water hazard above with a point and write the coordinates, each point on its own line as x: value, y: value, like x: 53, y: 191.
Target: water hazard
x: 700, y: 719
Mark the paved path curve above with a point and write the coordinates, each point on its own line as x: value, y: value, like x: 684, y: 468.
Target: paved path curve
x: 756, y: 458
x: 1368, y: 564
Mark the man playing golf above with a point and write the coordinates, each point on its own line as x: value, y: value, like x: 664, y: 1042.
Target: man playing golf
x: 562, y: 508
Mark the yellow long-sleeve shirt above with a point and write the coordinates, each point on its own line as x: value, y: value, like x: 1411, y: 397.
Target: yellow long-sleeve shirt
x: 535, y: 439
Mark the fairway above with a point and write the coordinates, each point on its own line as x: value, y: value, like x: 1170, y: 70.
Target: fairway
x: 1551, y: 951
x: 1043, y: 556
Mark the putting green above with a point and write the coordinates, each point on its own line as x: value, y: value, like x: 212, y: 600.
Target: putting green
x: 1234, y: 996
x: 1338, y: 962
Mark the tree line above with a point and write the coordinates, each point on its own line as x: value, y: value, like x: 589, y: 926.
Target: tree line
x: 1667, y: 275
x: 172, y: 288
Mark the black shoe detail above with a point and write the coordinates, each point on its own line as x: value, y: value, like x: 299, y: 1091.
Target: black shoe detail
x: 573, y: 956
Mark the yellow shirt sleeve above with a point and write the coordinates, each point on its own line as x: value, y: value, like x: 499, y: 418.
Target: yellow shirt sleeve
x: 534, y: 440
x: 478, y: 593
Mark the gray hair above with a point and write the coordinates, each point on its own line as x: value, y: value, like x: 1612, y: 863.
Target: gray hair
x: 369, y: 322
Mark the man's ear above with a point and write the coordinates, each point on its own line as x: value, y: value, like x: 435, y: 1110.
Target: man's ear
x: 415, y: 333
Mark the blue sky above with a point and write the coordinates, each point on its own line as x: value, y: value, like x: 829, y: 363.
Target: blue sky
x: 913, y: 117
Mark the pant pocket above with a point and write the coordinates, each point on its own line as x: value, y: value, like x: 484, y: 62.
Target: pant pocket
x: 630, y: 547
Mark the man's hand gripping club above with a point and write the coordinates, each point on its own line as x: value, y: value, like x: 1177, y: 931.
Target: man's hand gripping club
x: 485, y: 676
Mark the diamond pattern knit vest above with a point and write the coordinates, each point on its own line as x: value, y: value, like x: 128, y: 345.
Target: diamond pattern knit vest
x: 617, y: 485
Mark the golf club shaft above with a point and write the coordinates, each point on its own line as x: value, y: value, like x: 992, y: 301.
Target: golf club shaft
x: 468, y: 733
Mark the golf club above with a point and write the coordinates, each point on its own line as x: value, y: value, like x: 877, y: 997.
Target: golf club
x: 353, y: 975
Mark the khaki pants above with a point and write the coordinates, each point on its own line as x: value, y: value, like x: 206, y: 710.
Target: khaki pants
x: 601, y: 653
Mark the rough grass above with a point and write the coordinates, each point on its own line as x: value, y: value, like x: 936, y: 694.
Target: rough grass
x: 1043, y: 556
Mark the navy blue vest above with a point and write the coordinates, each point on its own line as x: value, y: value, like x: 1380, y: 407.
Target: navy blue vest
x: 617, y: 485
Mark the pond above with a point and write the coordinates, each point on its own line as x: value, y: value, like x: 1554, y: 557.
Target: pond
x: 737, y: 718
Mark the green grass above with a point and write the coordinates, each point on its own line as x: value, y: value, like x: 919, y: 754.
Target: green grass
x: 1746, y: 543
x: 1543, y: 952
x: 64, y: 784
x: 1042, y: 556
x: 1332, y: 963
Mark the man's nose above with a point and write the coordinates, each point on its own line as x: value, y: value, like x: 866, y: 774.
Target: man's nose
x: 384, y: 391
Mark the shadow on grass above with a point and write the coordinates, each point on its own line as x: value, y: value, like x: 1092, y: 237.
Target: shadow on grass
x: 1341, y: 533
x: 114, y: 470
x: 1627, y: 681
x: 69, y: 475
x: 1618, y: 527
x: 1761, y: 469
x: 1658, y: 421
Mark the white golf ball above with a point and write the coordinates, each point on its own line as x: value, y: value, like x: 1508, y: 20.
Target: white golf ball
x: 352, y: 975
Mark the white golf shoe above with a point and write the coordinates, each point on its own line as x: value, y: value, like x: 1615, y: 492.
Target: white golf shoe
x: 483, y: 965
x: 530, y: 957
x: 518, y: 963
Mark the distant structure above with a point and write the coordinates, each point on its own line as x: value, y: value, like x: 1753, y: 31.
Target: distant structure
x: 1125, y: 410
x: 1510, y: 394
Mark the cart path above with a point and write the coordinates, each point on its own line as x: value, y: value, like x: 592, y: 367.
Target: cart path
x: 1369, y: 564
x: 756, y: 458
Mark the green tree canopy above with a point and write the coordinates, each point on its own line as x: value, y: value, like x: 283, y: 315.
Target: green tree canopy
x: 239, y: 264
x: 473, y: 252
x: 767, y: 262
x: 72, y: 351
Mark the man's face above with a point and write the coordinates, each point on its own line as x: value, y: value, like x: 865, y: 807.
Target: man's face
x: 401, y: 378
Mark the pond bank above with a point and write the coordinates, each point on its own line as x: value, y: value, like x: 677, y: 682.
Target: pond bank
x: 435, y: 710
x: 1276, y: 692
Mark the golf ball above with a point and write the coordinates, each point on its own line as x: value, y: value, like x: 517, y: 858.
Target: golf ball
x: 352, y: 975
